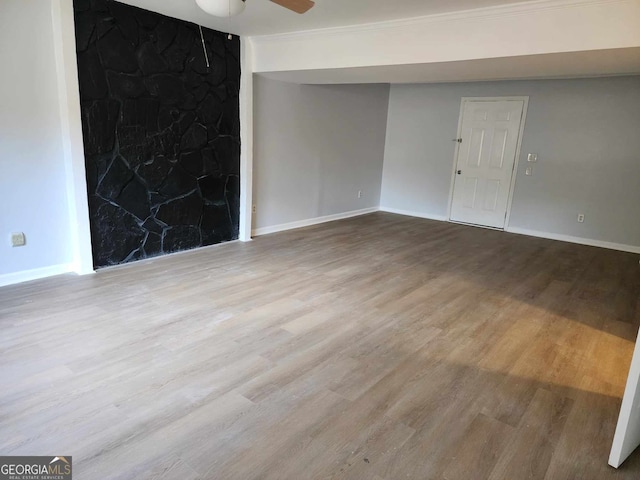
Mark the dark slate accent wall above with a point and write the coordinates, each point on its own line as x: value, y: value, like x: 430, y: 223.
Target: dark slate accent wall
x: 161, y: 132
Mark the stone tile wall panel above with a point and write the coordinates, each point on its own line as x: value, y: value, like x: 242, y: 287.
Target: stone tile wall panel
x: 161, y: 131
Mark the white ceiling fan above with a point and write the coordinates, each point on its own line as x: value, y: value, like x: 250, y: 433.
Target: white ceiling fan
x: 229, y: 8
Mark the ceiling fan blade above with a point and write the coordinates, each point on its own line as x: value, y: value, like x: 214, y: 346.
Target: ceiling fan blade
x: 298, y: 6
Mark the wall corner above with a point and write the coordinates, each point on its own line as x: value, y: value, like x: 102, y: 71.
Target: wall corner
x: 246, y: 138
x: 69, y: 100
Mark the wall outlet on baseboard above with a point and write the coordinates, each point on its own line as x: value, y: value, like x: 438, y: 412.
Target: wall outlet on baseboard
x: 581, y: 218
x: 18, y: 239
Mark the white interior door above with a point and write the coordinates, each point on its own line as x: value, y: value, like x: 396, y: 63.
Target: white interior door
x: 486, y: 157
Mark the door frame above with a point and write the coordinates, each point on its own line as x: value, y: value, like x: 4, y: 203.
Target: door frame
x: 463, y: 102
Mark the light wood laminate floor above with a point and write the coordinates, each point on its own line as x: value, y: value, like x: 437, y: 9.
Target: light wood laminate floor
x: 379, y: 347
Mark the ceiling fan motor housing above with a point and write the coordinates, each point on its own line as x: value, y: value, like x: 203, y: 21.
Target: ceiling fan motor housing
x: 229, y: 8
x: 222, y: 8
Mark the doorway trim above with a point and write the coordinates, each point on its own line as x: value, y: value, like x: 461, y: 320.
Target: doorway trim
x: 463, y: 101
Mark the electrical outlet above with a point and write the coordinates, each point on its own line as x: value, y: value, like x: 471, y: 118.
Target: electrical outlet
x: 18, y: 239
x: 581, y: 218
x: 529, y: 171
x: 359, y: 193
x: 253, y: 209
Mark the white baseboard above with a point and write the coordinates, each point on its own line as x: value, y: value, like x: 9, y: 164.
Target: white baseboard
x: 409, y: 213
x: 532, y: 233
x: 35, y: 274
x: 81, y: 269
x: 312, y: 221
x: 568, y: 238
x: 38, y: 273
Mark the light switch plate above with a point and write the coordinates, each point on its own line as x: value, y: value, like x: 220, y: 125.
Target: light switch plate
x: 532, y: 158
x: 18, y: 239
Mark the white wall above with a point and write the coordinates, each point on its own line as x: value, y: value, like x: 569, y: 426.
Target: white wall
x: 585, y: 132
x: 530, y: 28
x: 33, y: 187
x: 627, y: 436
x: 64, y: 41
x: 315, y: 147
x: 246, y: 140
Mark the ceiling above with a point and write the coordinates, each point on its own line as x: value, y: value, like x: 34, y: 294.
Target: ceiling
x: 262, y: 17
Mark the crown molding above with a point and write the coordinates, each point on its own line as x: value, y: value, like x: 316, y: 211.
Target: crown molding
x: 497, y: 11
